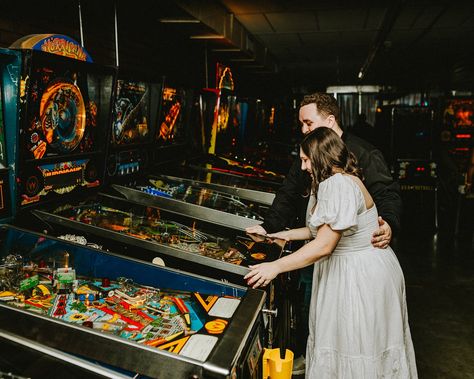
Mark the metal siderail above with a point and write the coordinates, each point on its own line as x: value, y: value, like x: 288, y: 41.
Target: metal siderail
x: 196, y: 211
x: 254, y: 180
x: 261, y: 197
x: 121, y: 353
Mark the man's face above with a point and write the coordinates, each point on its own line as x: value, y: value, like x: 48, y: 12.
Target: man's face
x: 310, y: 118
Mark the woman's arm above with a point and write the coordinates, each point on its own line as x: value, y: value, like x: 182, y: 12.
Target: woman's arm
x: 323, y: 245
x: 293, y: 234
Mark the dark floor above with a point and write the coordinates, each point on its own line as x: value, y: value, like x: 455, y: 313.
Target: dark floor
x: 439, y: 275
x: 438, y: 264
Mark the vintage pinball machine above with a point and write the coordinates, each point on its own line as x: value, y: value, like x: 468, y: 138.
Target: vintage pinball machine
x: 229, y: 122
x: 457, y: 147
x: 223, y: 205
x: 63, y: 127
x: 125, y: 315
x: 10, y: 63
x: 414, y: 159
x: 457, y: 137
x: 217, y: 126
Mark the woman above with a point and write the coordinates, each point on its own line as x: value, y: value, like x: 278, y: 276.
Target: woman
x: 358, y: 316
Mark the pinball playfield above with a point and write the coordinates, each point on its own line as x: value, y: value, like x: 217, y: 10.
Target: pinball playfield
x: 106, y: 307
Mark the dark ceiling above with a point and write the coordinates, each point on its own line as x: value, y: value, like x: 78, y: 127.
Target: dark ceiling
x: 273, y: 46
x: 415, y: 44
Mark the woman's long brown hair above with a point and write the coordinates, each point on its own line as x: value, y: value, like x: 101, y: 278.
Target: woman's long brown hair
x: 326, y: 151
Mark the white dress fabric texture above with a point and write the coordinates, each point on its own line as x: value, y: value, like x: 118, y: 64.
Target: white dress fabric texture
x: 358, y: 321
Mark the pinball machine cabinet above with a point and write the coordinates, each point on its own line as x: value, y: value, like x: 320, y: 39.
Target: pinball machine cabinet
x: 233, y: 351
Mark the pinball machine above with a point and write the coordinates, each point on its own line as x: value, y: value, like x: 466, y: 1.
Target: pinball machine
x: 222, y: 164
x: 457, y: 147
x: 412, y: 155
x: 10, y: 62
x: 63, y: 127
x: 217, y: 131
x: 457, y: 137
x: 119, y: 314
x: 233, y: 207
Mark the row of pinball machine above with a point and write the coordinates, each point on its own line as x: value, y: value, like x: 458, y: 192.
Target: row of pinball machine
x: 113, y: 263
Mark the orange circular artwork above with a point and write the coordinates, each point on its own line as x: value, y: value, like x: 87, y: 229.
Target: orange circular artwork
x: 63, y: 116
x: 216, y: 326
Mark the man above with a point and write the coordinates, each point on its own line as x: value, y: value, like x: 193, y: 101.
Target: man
x: 289, y: 206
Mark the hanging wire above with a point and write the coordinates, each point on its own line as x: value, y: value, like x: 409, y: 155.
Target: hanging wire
x: 80, y: 22
x: 116, y: 35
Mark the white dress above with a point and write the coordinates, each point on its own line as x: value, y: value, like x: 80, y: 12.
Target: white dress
x: 358, y: 321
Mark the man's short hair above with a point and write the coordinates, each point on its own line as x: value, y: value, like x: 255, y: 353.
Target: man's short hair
x: 326, y: 104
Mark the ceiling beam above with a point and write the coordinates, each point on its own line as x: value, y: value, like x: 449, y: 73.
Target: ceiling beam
x: 387, y: 24
x: 226, y: 27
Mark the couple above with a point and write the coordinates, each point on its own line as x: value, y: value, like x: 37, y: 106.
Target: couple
x: 358, y: 323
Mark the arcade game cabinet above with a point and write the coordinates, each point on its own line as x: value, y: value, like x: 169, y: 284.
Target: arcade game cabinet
x: 219, y: 125
x: 414, y: 161
x: 457, y: 137
x: 64, y: 122
x: 176, y: 138
x: 457, y: 154
x: 9, y: 95
x: 129, y: 316
x: 135, y: 109
x: 132, y: 151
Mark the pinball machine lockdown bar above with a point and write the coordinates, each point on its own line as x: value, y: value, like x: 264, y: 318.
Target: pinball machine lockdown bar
x: 89, y: 366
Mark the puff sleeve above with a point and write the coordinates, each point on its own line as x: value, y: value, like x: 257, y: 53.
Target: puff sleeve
x: 338, y: 203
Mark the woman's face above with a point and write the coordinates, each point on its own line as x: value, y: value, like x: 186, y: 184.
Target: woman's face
x: 306, y: 163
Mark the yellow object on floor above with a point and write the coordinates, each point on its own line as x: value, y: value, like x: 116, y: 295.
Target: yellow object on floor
x: 275, y: 367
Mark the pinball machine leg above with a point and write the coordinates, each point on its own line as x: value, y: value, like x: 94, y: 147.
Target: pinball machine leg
x: 285, y: 322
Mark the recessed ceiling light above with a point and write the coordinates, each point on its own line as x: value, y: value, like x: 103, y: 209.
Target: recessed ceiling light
x: 179, y: 21
x: 207, y: 36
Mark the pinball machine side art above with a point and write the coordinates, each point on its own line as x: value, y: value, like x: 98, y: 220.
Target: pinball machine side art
x: 10, y: 64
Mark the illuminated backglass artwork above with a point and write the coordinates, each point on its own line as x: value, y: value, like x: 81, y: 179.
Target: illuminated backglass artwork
x: 131, y: 113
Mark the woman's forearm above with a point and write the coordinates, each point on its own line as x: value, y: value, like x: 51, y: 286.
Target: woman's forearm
x: 323, y: 245
x: 293, y: 234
